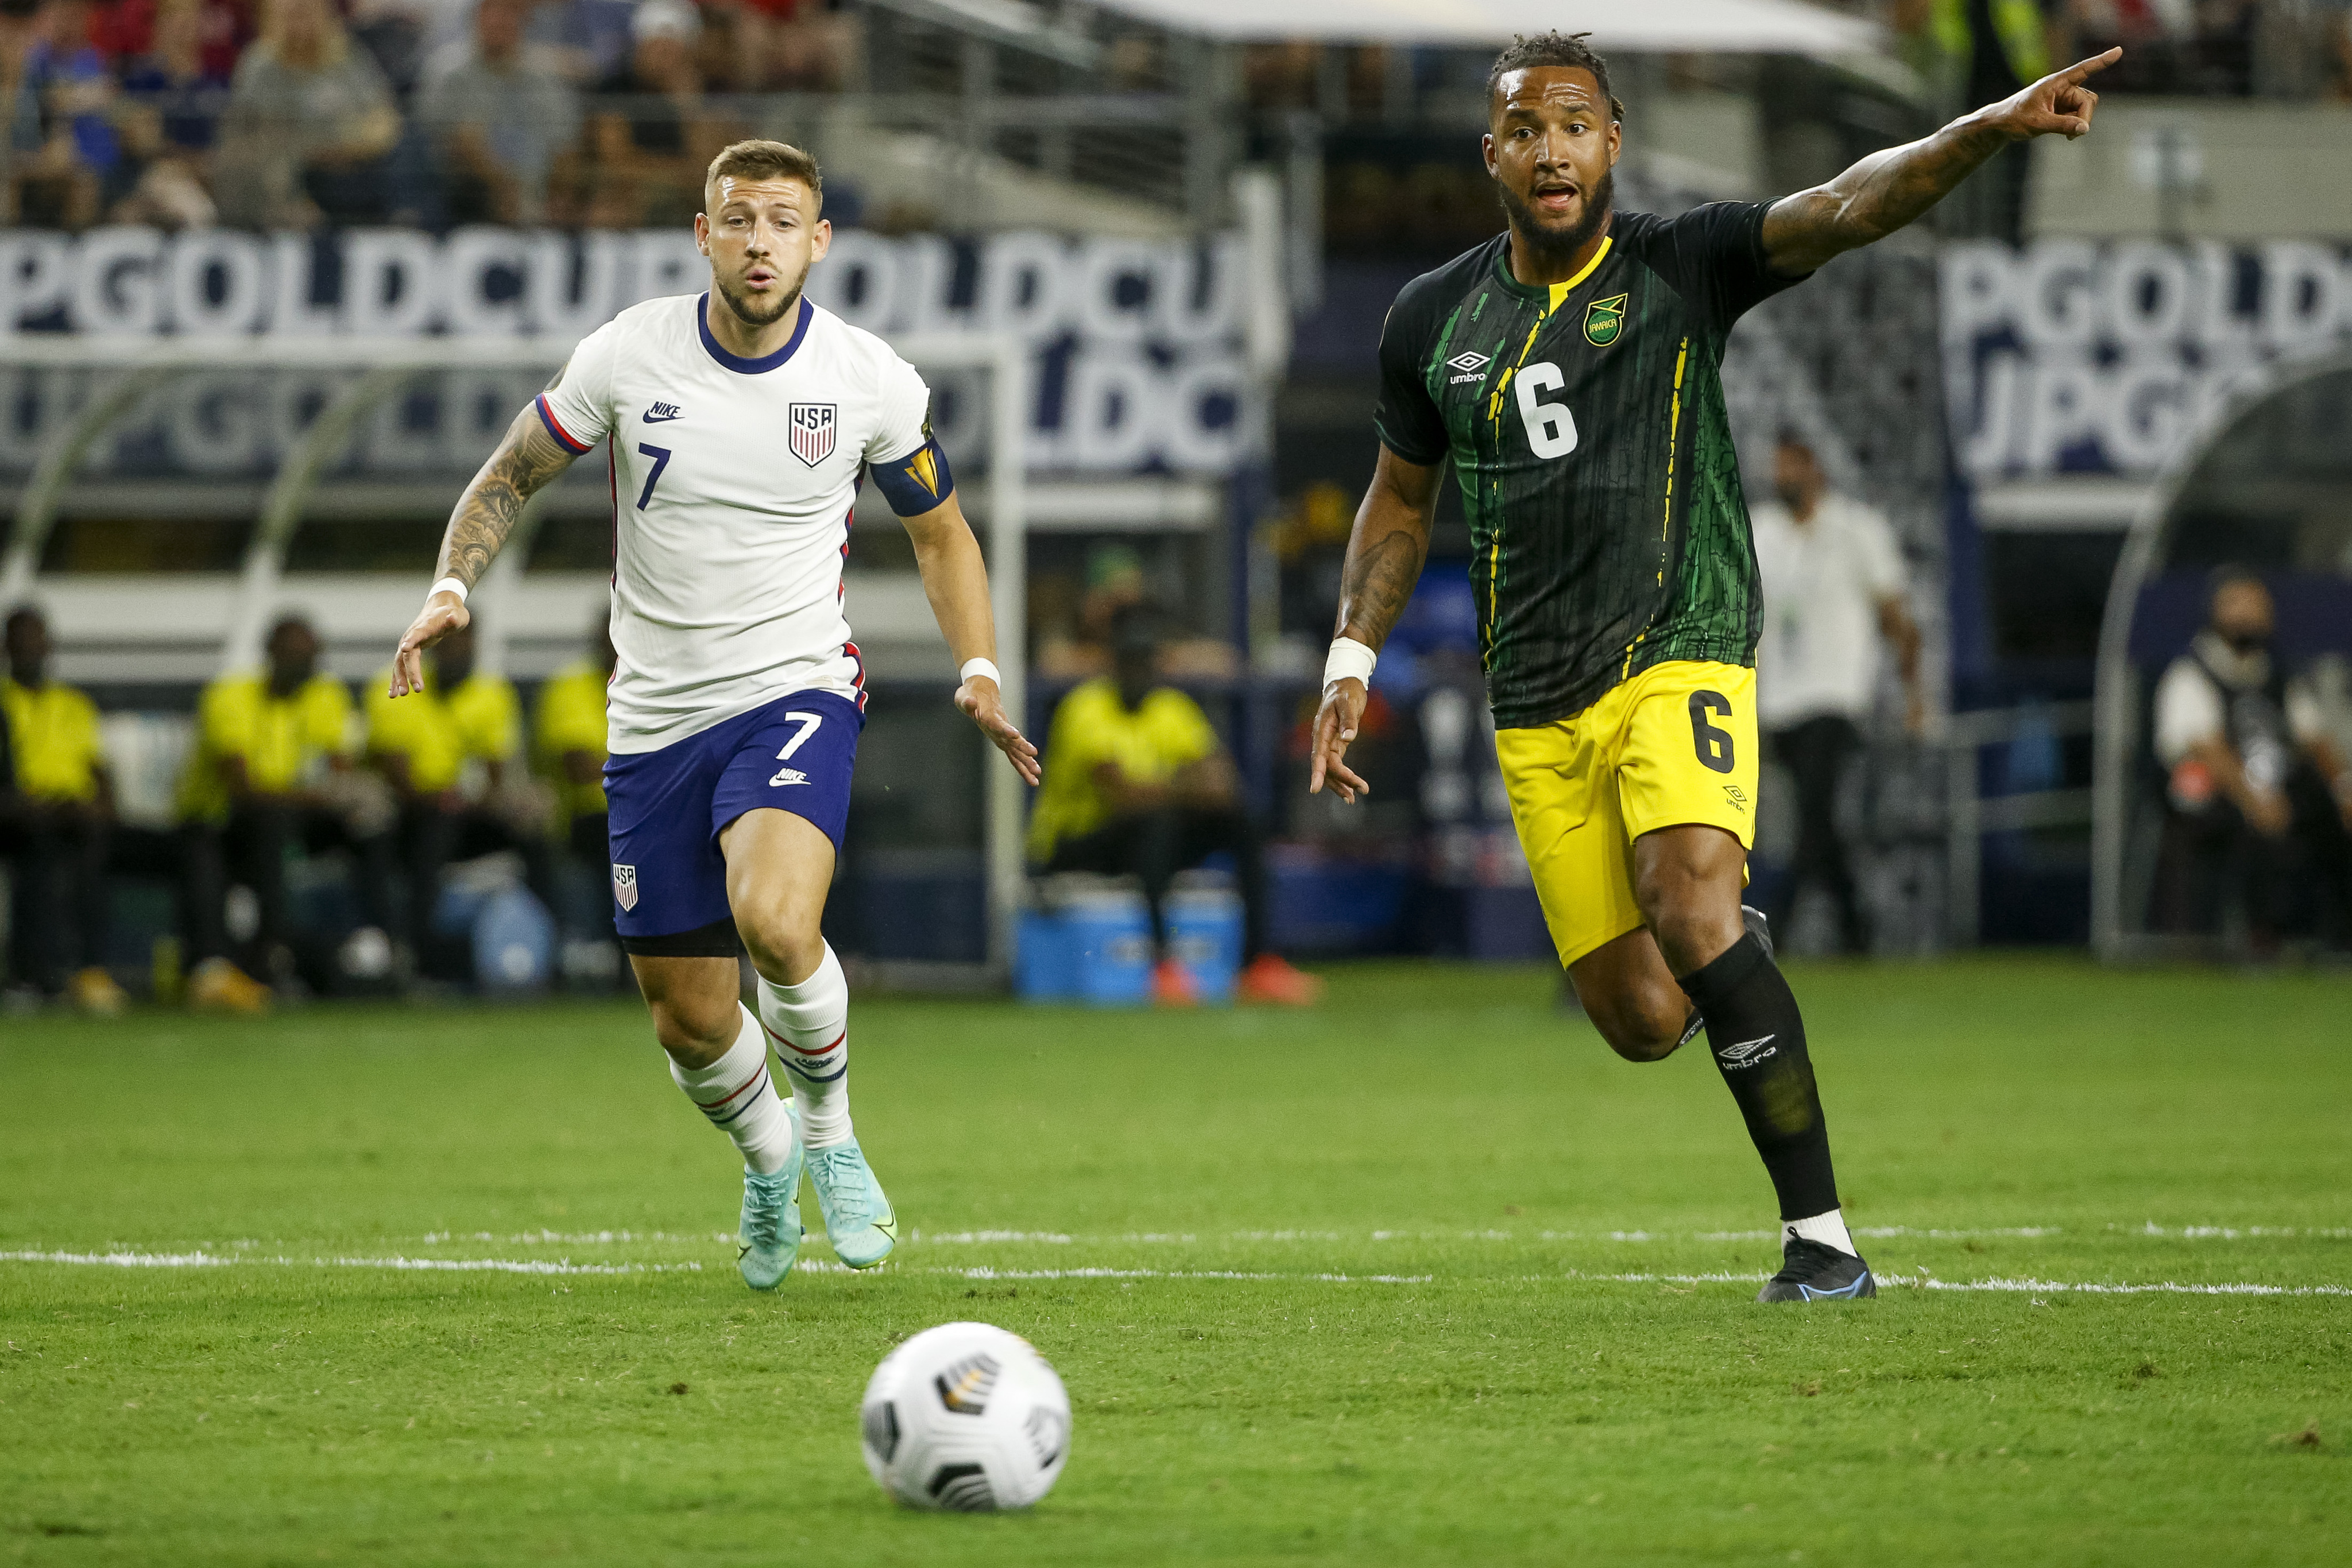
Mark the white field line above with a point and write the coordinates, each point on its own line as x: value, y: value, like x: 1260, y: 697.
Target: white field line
x: 1873, y: 1232
x: 427, y: 1265
x: 2008, y: 1287
x: 2028, y: 1287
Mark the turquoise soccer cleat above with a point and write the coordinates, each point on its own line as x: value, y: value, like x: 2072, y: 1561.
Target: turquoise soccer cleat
x: 859, y: 1218
x: 770, y: 1238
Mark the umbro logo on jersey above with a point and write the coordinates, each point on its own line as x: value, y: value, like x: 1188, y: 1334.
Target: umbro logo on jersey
x: 1747, y: 1053
x: 788, y: 776
x: 1471, y: 363
x: 663, y: 412
x: 625, y: 885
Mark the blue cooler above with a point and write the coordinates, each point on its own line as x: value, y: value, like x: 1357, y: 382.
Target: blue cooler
x: 1094, y: 947
x: 1205, y: 933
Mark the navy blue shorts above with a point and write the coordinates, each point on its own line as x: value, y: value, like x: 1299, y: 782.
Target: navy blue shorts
x: 668, y: 807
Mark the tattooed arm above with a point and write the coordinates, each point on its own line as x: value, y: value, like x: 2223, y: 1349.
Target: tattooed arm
x: 527, y: 461
x: 1889, y: 189
x: 1384, y: 555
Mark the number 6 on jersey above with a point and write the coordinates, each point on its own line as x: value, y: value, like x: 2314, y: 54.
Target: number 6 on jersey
x: 1551, y: 429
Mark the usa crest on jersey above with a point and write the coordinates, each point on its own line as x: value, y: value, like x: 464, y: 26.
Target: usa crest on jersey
x: 813, y: 427
x: 625, y: 886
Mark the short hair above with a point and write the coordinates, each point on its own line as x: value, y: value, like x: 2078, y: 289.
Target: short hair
x: 290, y: 622
x: 763, y: 160
x: 23, y: 612
x: 1554, y: 48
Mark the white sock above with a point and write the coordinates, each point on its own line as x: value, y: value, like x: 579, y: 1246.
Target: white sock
x: 810, y: 1024
x: 1828, y: 1229
x: 735, y: 1092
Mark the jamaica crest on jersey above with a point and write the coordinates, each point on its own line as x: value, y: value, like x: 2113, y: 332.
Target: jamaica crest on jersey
x: 813, y: 427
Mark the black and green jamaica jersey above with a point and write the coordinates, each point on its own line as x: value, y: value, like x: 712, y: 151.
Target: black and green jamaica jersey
x: 1586, y: 425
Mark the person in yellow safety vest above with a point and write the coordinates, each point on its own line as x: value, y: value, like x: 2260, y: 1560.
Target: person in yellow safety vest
x: 568, y: 743
x: 56, y: 838
x: 451, y: 755
x: 270, y: 773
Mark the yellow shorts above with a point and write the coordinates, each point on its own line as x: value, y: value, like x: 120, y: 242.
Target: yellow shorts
x: 1677, y: 744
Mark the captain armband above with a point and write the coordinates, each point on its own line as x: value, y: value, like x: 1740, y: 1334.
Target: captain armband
x: 918, y: 482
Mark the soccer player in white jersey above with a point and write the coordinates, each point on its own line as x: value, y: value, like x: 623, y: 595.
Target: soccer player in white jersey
x: 737, y: 424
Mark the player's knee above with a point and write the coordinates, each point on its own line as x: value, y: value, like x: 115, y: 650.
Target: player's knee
x: 1640, y: 1028
x: 785, y: 944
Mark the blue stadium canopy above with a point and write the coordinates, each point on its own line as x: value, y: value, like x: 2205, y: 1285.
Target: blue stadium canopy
x: 1748, y: 27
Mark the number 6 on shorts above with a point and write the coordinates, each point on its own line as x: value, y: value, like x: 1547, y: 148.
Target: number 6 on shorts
x: 1713, y: 745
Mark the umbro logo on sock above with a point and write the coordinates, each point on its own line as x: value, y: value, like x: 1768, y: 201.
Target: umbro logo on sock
x: 1747, y: 1053
x: 788, y: 776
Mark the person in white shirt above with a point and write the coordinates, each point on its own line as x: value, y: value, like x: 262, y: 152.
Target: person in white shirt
x: 1833, y: 590
x: 739, y: 425
x: 2256, y: 790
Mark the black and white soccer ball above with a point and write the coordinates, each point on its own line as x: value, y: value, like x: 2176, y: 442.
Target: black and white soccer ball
x: 966, y: 1417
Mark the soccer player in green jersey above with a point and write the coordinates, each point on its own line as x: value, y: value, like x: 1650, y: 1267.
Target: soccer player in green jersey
x: 1567, y: 372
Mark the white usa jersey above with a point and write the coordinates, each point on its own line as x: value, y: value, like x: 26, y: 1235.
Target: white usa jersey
x: 733, y: 485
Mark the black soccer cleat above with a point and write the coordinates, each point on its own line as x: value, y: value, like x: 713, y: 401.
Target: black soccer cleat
x: 1758, y: 927
x: 1810, y: 1272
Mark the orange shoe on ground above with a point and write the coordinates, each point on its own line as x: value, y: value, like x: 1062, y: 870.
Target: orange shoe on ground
x: 1272, y: 980
x: 1172, y: 986
x: 94, y: 992
x: 217, y: 985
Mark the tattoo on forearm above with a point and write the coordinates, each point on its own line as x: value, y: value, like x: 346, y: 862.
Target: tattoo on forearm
x: 1378, y: 581
x: 525, y: 462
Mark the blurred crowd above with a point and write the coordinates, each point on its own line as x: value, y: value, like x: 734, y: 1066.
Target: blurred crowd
x: 289, y: 113
x: 285, y: 769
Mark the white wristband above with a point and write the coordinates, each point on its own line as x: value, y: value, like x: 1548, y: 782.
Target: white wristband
x: 1349, y: 660
x: 979, y: 667
x: 447, y: 585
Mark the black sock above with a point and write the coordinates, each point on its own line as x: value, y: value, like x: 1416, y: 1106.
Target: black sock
x: 1757, y: 1038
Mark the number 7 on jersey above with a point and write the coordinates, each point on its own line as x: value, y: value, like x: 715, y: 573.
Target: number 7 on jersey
x: 660, y: 455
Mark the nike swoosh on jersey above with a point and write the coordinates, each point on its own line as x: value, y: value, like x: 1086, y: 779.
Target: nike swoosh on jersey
x: 662, y: 418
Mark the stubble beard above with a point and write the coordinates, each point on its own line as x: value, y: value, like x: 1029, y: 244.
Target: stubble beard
x: 1551, y: 249
x: 751, y: 315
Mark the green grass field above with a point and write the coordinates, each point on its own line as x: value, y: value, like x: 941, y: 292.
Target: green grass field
x: 1425, y: 1275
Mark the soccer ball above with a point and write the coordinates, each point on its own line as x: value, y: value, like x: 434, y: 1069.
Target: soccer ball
x: 965, y: 1416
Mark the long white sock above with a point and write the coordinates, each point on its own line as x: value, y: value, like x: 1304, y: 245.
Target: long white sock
x: 810, y: 1024
x: 1828, y: 1229
x: 735, y: 1092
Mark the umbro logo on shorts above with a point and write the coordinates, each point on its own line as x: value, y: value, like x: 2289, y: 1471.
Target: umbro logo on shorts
x: 1747, y: 1053
x: 788, y: 776
x: 663, y: 412
x: 625, y: 885
x: 1469, y: 362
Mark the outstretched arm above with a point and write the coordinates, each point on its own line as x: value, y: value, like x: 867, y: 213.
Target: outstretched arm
x: 527, y: 462
x: 955, y: 579
x: 1384, y: 555
x: 1889, y: 189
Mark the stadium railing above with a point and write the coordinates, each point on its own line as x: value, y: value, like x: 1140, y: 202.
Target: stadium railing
x: 203, y: 625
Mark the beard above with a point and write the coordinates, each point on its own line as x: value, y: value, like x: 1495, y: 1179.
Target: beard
x: 752, y: 315
x: 1553, y: 248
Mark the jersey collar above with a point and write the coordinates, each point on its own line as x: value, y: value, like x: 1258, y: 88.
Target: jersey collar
x: 1553, y: 294
x: 737, y: 362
